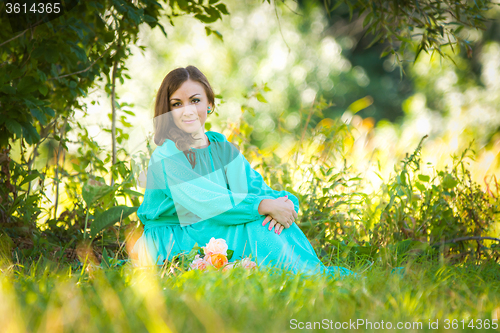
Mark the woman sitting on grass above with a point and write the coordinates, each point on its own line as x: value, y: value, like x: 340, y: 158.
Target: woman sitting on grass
x: 200, y: 186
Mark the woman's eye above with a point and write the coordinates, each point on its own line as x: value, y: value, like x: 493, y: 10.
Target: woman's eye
x: 196, y: 100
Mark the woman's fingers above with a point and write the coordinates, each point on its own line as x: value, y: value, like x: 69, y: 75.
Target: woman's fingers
x: 272, y: 224
x: 278, y: 228
x: 267, y: 219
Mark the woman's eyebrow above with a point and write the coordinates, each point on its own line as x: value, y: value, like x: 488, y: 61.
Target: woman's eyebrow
x: 179, y: 99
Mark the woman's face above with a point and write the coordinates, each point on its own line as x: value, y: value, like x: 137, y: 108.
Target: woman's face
x: 188, y: 106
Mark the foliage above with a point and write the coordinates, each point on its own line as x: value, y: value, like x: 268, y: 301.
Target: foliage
x: 44, y: 72
x: 412, y: 214
x: 438, y: 210
x: 417, y: 26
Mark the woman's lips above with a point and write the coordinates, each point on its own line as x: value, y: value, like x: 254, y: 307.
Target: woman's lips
x: 190, y: 121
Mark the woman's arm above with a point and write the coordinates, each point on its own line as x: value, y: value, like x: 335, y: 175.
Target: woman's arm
x: 253, y: 181
x: 201, y: 198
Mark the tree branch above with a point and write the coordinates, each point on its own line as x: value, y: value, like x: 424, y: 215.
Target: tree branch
x: 22, y: 33
x: 83, y: 70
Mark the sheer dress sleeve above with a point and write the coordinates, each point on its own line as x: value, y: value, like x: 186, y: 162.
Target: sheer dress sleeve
x: 229, y: 194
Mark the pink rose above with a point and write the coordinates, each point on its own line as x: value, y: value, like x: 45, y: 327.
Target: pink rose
x: 214, y: 246
x: 228, y: 267
x: 199, y: 263
x: 248, y: 263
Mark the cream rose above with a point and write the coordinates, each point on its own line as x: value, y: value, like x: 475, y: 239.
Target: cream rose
x: 214, y: 246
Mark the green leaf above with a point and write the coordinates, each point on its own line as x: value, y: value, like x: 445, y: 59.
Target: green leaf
x: 388, y: 49
x: 213, y: 12
x: 424, y: 178
x: 134, y: 16
x: 51, y: 55
x: 420, y: 186
x: 8, y: 89
x: 129, y: 112
x: 41, y: 75
x: 218, y: 34
x: 132, y: 193
x: 149, y: 18
x: 16, y: 203
x: 205, y: 19
x: 39, y: 116
x: 192, y: 254
x: 79, y: 52
x: 368, y: 19
x: 49, y: 111
x: 14, y: 127
x: 93, y: 191
x: 43, y: 89
x: 260, y: 98
x: 376, y: 39
x: 105, y: 259
x: 351, y: 10
x: 34, y: 174
x: 229, y: 254
x: 222, y: 8
x: 449, y: 181
x: 163, y: 30
x: 110, y: 217
x: 30, y: 133
x: 27, y: 85
x: 125, y: 123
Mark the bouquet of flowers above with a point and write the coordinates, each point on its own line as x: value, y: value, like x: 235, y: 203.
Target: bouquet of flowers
x: 215, y: 254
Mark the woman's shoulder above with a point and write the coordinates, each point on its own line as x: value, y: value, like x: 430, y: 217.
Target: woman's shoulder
x: 227, y: 151
x: 219, y: 137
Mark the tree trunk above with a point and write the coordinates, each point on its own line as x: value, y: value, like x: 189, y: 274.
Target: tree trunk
x: 63, y: 132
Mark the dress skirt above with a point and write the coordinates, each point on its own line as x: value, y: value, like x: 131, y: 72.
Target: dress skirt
x: 217, y: 194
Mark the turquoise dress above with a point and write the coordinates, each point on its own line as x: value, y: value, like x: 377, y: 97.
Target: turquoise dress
x: 216, y: 193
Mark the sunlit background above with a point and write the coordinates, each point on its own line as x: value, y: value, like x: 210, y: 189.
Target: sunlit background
x: 301, y: 56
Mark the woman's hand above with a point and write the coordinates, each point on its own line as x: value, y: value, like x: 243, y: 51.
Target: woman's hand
x: 282, y: 214
x: 278, y: 226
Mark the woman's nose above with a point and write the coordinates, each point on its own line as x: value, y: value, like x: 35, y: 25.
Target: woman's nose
x: 190, y: 109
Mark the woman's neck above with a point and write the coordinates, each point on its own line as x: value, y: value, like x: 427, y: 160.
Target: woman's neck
x: 201, y: 143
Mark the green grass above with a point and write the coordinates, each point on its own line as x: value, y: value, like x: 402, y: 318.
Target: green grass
x: 46, y: 298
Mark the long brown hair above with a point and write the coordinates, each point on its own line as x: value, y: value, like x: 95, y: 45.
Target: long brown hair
x: 164, y: 125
